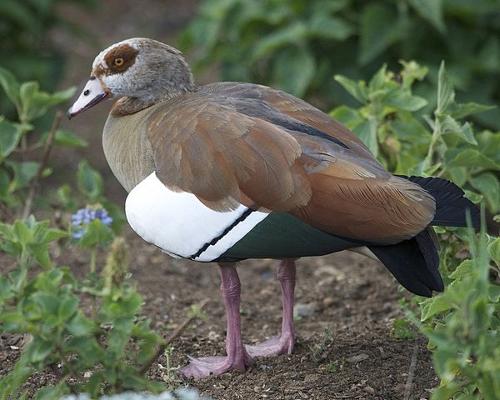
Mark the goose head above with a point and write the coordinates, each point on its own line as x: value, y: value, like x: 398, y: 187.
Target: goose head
x: 143, y: 70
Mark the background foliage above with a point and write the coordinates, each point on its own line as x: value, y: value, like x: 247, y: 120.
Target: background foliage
x: 390, y: 123
x: 463, y: 323
x: 299, y: 45
x: 25, y: 29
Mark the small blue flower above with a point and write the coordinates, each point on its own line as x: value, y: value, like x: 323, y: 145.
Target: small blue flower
x: 85, y: 216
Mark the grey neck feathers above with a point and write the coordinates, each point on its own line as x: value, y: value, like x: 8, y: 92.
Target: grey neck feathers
x: 159, y: 83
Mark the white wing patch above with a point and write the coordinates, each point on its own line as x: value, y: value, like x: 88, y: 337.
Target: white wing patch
x: 181, y: 225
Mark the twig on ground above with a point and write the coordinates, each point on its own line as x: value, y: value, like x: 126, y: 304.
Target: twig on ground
x: 172, y: 337
x: 411, y: 372
x: 45, y: 158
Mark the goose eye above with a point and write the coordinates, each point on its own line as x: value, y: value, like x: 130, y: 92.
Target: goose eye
x: 118, y: 61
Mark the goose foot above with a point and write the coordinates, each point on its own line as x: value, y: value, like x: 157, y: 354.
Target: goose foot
x: 274, y: 346
x: 199, y: 368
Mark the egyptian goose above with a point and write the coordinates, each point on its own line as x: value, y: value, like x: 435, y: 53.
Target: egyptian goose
x: 230, y: 171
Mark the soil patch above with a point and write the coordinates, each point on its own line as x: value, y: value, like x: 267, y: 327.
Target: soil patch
x: 345, y: 347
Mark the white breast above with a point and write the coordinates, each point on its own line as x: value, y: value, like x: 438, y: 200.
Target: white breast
x: 181, y: 225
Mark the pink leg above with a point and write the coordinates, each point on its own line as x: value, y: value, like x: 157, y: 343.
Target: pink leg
x: 281, y: 344
x: 237, y: 357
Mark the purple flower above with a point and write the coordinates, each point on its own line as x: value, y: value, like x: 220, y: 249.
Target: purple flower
x: 85, y: 216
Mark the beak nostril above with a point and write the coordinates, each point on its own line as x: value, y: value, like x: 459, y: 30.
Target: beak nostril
x: 86, y: 93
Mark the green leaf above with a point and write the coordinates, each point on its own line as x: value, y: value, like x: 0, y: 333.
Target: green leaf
x: 64, y: 196
x: 494, y: 250
x: 465, y: 268
x: 446, y: 94
x: 13, y: 321
x: 379, y: 30
x: 451, y: 126
x: 40, y: 252
x: 51, y: 235
x: 23, y: 233
x: 288, y: 36
x: 434, y: 306
x: 62, y: 96
x: 494, y: 292
x: 293, y: 70
x: 380, y: 81
x: 4, y: 187
x: 412, y: 72
x: 347, y: 116
x: 49, y: 280
x: 487, y: 184
x: 96, y: 233
x: 10, y: 135
x: 473, y: 196
x: 5, y: 289
x: 474, y: 159
x: 125, y: 308
x: 27, y: 94
x: 432, y: 11
x: 35, y: 103
x: 49, y: 303
x: 80, y: 325
x: 459, y: 111
x: 52, y: 392
x: 24, y: 172
x: 87, y: 348
x: 489, y: 143
x: 69, y: 139
x: 445, y: 392
x: 404, y: 100
x: 67, y: 307
x: 10, y: 86
x: 39, y: 349
x: 89, y: 181
x: 367, y: 132
x: 355, y: 89
x: 324, y: 26
x: 403, y: 329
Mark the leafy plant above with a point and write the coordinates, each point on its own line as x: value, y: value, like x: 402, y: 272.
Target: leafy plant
x: 403, y: 329
x: 298, y: 45
x: 102, y: 348
x: 26, y: 46
x: 18, y: 139
x: 391, y: 122
x: 463, y: 325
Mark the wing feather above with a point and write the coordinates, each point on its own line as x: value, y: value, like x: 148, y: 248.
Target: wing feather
x: 251, y: 145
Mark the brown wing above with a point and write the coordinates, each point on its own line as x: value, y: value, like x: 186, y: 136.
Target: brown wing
x: 294, y: 108
x: 225, y: 158
x: 228, y: 149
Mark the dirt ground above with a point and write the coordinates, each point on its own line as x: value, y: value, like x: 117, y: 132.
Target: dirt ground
x: 345, y: 346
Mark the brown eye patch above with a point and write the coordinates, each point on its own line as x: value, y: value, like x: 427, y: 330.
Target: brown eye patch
x: 120, y: 58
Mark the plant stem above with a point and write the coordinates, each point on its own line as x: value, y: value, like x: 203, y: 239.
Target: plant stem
x: 93, y: 253
x: 172, y: 337
x: 436, y: 134
x: 45, y: 158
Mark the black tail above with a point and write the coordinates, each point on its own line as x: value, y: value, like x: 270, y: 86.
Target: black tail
x: 414, y: 263
x: 451, y: 205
